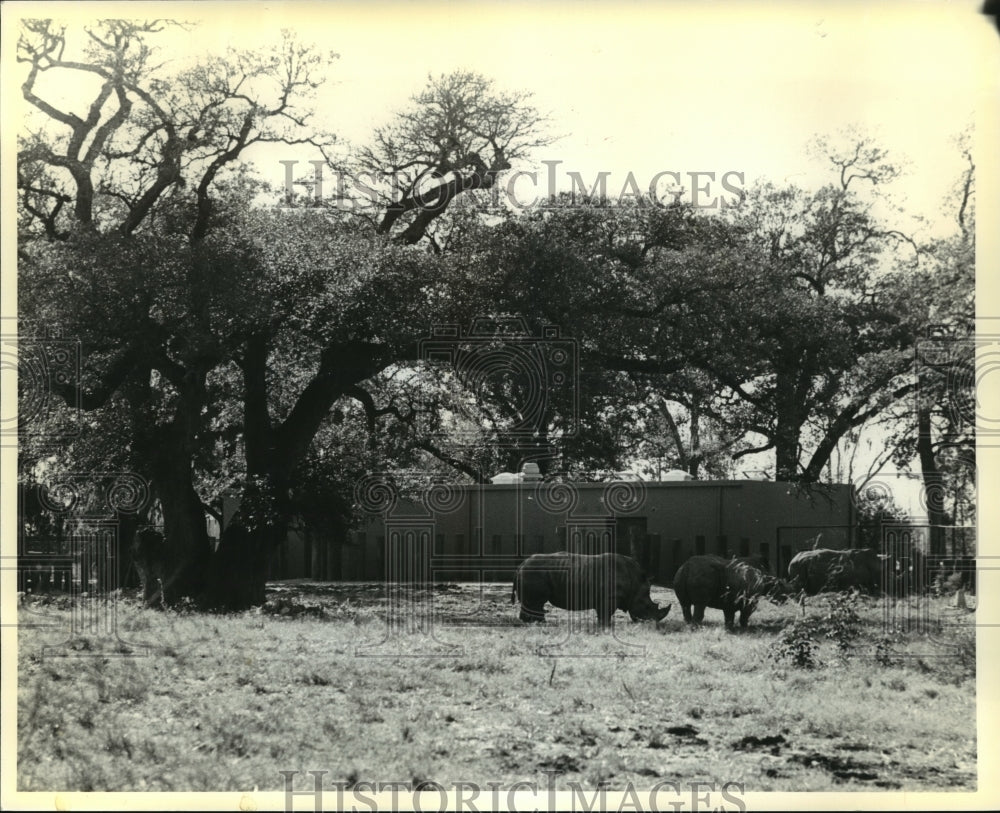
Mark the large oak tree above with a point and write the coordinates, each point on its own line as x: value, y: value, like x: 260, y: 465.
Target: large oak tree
x: 138, y: 235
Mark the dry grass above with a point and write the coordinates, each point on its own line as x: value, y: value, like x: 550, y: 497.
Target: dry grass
x: 225, y: 703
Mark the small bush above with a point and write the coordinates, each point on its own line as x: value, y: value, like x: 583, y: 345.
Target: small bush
x: 887, y: 647
x: 842, y: 623
x: 118, y: 745
x: 959, y: 650
x: 797, y: 644
x: 947, y: 584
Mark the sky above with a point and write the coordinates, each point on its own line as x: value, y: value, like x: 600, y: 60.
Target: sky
x: 644, y: 88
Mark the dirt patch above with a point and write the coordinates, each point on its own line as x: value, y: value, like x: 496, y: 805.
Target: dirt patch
x: 581, y: 738
x: 880, y: 771
x: 680, y: 734
x: 754, y: 743
x: 563, y: 763
x: 451, y: 604
x: 931, y: 774
x: 843, y: 768
x: 853, y: 746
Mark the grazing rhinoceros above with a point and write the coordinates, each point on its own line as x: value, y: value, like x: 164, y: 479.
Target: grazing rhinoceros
x: 575, y: 581
x: 730, y: 585
x: 824, y: 570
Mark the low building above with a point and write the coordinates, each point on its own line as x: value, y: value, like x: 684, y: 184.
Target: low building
x: 449, y: 532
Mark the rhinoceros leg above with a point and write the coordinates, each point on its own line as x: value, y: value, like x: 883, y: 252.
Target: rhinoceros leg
x: 605, y: 610
x: 532, y: 615
x: 730, y: 618
x: 686, y: 609
x: 699, y: 613
x: 746, y: 610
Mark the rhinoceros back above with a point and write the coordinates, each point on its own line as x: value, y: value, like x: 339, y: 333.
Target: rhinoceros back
x: 712, y: 581
x: 824, y: 569
x: 700, y: 580
x: 575, y: 581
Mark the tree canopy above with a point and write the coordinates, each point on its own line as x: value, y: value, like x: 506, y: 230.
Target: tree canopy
x: 241, y: 340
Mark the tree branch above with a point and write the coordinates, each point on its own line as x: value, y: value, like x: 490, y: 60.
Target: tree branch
x: 455, y: 462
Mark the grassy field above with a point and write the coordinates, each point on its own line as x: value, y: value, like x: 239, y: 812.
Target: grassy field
x: 180, y: 701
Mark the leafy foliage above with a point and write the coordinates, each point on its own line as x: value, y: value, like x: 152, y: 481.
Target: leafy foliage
x: 274, y: 352
x: 796, y: 644
x: 842, y: 622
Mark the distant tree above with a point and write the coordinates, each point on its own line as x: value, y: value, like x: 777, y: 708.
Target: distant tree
x: 678, y: 434
x: 875, y: 508
x: 939, y: 433
x: 811, y: 339
x: 459, y: 135
x: 784, y: 310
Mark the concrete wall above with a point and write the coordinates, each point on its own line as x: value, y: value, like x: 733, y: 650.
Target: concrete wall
x: 484, y: 531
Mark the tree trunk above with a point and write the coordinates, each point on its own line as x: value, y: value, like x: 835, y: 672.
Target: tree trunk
x: 234, y: 577
x: 184, y: 528
x: 237, y: 575
x: 125, y: 574
x: 937, y: 517
x: 791, y: 413
x: 786, y: 455
x: 695, y: 457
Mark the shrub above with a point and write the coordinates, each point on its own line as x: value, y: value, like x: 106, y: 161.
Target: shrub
x: 842, y: 623
x: 887, y: 648
x: 958, y: 650
x: 796, y: 644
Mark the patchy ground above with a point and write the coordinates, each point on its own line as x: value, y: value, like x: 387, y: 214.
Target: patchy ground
x: 457, y: 689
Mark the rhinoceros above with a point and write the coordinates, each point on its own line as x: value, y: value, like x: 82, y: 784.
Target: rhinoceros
x: 825, y: 570
x: 730, y: 585
x: 575, y: 581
